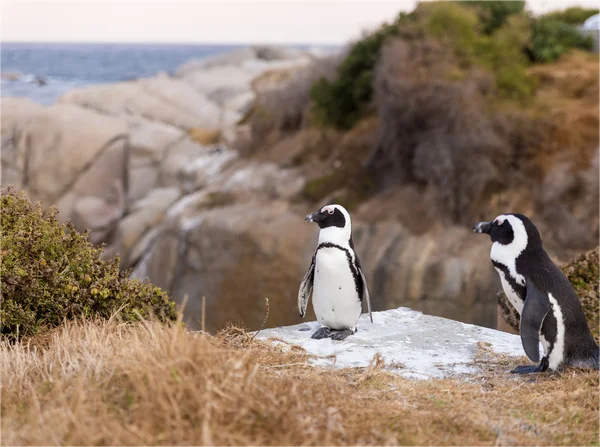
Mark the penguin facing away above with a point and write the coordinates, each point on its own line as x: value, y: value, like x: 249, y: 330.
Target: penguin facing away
x: 335, y: 276
x: 549, y: 307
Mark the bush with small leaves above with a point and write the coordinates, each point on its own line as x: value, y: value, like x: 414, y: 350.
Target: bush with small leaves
x: 493, y: 14
x: 552, y: 38
x: 50, y: 273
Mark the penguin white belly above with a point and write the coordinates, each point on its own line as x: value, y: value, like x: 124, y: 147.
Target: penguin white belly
x: 512, y: 296
x: 557, y: 355
x: 545, y: 344
x: 335, y: 299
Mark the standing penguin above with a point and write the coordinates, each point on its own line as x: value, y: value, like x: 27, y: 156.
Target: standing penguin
x: 549, y: 308
x: 335, y: 275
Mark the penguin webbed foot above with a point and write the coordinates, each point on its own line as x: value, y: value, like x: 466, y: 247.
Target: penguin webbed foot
x: 325, y: 332
x: 532, y: 369
x: 526, y: 369
x: 341, y: 335
x: 320, y: 333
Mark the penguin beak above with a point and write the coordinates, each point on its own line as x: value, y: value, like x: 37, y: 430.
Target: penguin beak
x: 483, y: 227
x: 314, y: 217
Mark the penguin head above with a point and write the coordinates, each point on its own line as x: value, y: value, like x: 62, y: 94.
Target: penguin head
x: 507, y: 229
x: 330, y: 216
x: 335, y: 224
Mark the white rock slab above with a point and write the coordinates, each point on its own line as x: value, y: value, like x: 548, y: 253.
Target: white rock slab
x: 425, y: 346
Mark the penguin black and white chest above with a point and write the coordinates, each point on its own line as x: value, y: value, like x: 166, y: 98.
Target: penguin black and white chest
x: 549, y: 307
x: 335, y: 276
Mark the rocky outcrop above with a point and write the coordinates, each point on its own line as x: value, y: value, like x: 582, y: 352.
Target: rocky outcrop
x: 161, y: 99
x: 568, y: 198
x: 212, y: 94
x: 234, y: 255
x: 91, y: 165
x: 15, y: 112
x: 106, y: 151
x: 443, y: 272
x: 67, y: 156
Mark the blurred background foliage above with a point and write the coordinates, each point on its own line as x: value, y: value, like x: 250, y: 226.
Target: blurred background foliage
x: 497, y: 35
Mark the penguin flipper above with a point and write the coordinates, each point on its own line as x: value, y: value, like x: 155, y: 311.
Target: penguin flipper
x: 366, y: 295
x: 305, y: 288
x: 537, y: 306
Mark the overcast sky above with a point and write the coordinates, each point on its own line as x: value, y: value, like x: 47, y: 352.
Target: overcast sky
x: 224, y: 21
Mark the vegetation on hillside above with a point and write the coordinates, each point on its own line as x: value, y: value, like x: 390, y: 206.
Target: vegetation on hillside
x: 50, y: 273
x: 145, y: 384
x: 496, y: 35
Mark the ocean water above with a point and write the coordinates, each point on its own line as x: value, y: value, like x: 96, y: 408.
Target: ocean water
x: 64, y: 66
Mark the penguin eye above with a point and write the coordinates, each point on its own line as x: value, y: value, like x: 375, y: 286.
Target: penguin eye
x: 330, y: 211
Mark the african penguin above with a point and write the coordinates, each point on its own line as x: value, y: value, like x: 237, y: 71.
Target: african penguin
x: 335, y: 276
x: 550, y: 310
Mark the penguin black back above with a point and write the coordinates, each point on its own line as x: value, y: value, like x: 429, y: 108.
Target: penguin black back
x: 580, y: 346
x: 550, y: 309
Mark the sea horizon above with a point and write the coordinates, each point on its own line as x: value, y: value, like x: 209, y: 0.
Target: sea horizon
x: 43, y: 71
x: 184, y: 43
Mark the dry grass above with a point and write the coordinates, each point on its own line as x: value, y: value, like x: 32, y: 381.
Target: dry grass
x: 108, y: 383
x: 568, y: 98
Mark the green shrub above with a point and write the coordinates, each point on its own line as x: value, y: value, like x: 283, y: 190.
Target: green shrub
x: 493, y: 14
x: 456, y: 27
x: 552, y: 38
x: 50, y: 273
x: 461, y: 31
x: 343, y: 100
x: 502, y: 52
x: 572, y: 16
